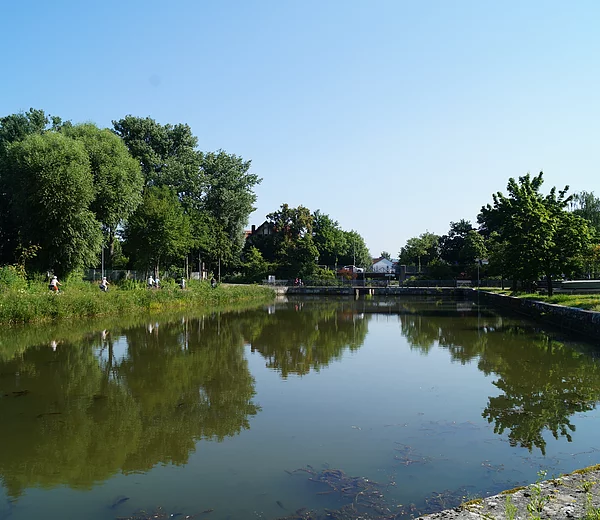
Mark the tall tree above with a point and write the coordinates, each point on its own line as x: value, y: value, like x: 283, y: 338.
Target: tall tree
x: 229, y: 197
x: 51, y: 191
x: 13, y: 128
x: 292, y: 241
x: 158, y: 231
x: 117, y: 177
x: 329, y: 239
x: 386, y: 255
x: 420, y: 250
x: 587, y: 205
x: 167, y: 153
x: 452, y: 243
x: 356, y: 253
x: 540, y: 236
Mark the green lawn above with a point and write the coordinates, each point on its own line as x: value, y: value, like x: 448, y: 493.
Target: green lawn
x: 590, y: 302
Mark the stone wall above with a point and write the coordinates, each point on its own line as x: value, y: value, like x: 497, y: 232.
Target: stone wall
x: 569, y: 318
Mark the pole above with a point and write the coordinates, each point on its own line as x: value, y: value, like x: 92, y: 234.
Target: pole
x: 102, y: 259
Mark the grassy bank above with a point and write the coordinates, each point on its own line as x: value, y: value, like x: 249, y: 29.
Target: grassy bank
x: 590, y: 302
x: 81, y: 299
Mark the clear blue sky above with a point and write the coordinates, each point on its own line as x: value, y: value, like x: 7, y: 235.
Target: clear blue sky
x: 393, y: 117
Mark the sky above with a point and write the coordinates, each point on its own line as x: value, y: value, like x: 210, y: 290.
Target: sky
x: 393, y: 117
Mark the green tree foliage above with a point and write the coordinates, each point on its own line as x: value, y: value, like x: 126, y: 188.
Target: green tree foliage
x: 540, y: 237
x: 329, y: 238
x: 386, y: 255
x: 216, y: 189
x: 421, y: 250
x: 158, y: 232
x: 587, y: 205
x: 13, y: 128
x: 254, y: 267
x: 356, y: 253
x: 452, y: 244
x: 291, y: 241
x: 118, y: 181
x: 229, y: 199
x: 51, y: 189
x: 167, y: 153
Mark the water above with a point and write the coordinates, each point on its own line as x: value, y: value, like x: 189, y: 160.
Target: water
x: 434, y: 401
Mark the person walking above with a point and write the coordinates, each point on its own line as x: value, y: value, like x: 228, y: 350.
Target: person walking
x: 104, y: 284
x: 150, y: 282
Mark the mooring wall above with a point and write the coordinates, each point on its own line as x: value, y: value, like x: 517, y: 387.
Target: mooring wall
x: 569, y: 318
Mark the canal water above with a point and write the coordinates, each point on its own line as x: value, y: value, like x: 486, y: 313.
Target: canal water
x: 301, y: 409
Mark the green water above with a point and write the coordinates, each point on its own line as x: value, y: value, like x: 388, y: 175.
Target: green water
x: 236, y: 412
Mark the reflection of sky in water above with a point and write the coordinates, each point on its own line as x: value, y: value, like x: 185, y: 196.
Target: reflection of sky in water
x: 409, y: 418
x: 120, y: 349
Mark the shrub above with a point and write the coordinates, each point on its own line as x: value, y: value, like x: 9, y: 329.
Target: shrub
x: 11, y: 278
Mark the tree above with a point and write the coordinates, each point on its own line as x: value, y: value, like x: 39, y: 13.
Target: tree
x: 540, y: 237
x: 451, y: 244
x: 13, y: 128
x: 167, y: 153
x: 356, y: 253
x: 229, y: 198
x: 292, y: 241
x: 51, y: 189
x: 386, y: 255
x: 587, y: 205
x: 329, y: 238
x: 118, y: 181
x: 420, y: 250
x: 158, y: 231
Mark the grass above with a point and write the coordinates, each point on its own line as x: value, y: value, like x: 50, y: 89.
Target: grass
x: 590, y: 302
x: 81, y: 299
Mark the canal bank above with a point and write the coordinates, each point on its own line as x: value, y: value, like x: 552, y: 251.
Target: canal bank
x: 573, y: 496
x: 573, y: 319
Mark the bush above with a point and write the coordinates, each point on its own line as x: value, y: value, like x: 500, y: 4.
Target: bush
x: 11, y: 279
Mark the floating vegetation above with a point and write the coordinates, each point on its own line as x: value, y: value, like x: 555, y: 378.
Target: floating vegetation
x: 407, y: 455
x: 447, y: 499
x: 365, y: 501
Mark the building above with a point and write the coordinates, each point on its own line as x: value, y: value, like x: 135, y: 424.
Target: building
x: 383, y: 265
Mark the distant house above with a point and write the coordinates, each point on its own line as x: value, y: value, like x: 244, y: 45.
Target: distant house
x: 383, y: 265
x: 266, y: 228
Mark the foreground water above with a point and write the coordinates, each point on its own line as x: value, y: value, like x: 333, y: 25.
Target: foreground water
x: 255, y: 414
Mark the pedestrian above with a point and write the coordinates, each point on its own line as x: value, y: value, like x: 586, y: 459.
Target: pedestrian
x: 54, y: 284
x: 150, y: 282
x: 213, y: 282
x: 182, y: 284
x: 104, y: 284
x: 156, y: 282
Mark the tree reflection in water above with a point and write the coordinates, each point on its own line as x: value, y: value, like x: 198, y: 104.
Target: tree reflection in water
x: 84, y: 419
x: 542, y: 380
x: 74, y: 417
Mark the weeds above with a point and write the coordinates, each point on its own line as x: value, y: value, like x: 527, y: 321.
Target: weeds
x: 537, y: 501
x: 80, y: 299
x: 510, y: 508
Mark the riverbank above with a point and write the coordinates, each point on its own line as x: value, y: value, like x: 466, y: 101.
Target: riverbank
x: 573, y: 496
x: 81, y: 299
x: 574, y: 319
x: 589, y: 302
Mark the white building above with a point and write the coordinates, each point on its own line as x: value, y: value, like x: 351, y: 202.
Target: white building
x: 383, y: 265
